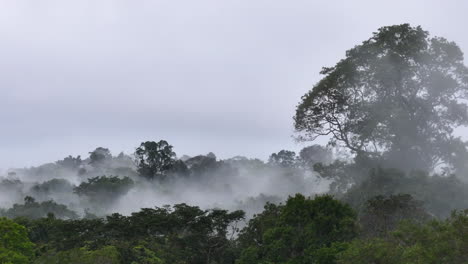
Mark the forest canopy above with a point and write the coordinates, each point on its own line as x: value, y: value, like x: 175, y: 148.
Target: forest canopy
x: 391, y: 185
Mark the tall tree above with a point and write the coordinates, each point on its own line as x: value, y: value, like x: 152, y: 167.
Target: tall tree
x: 99, y: 156
x: 70, y: 162
x: 154, y: 158
x: 398, y: 96
x: 284, y: 158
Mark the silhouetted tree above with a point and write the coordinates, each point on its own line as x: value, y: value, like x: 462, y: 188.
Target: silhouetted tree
x: 99, y: 156
x: 103, y: 189
x: 284, y: 158
x: 311, y: 155
x: 70, y: 162
x: 154, y: 159
x: 398, y: 95
x: 32, y: 209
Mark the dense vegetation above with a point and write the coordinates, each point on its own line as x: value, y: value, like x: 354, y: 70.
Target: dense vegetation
x: 390, y: 187
x: 302, y: 230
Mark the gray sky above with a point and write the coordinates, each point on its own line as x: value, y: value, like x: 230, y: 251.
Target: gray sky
x: 221, y: 76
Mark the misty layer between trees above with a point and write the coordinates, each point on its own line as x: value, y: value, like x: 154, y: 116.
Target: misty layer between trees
x: 102, y: 184
x: 389, y: 187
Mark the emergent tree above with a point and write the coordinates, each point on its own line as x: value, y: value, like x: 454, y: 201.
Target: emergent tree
x: 398, y: 96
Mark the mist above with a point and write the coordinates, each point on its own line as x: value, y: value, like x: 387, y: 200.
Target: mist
x: 206, y: 76
x: 218, y: 132
x: 233, y: 184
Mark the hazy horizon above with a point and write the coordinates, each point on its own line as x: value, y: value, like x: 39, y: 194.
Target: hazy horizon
x: 206, y: 76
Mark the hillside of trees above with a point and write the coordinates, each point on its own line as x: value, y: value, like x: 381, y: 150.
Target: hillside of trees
x: 391, y: 185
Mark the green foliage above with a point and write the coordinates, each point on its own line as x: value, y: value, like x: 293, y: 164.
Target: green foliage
x: 327, y: 255
x: 62, y: 235
x: 374, y: 251
x: 382, y: 214
x: 299, y: 232
x: 252, y: 234
x: 431, y: 243
x: 32, y: 209
x: 397, y: 95
x: 393, y: 102
x: 303, y: 230
x: 178, y: 234
x: 104, y: 189
x: 143, y: 255
x: 15, y: 246
x: 105, y: 255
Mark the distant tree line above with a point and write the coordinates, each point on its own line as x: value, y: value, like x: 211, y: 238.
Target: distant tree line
x: 396, y: 174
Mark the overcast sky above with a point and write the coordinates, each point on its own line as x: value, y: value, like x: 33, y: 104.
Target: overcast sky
x: 221, y: 76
